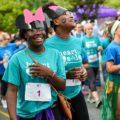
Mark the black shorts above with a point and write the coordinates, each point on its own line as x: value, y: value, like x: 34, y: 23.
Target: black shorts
x: 4, y: 86
x: 79, y: 108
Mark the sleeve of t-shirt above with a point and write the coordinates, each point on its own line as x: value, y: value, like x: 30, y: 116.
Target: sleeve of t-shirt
x: 13, y: 46
x: 99, y: 41
x: 48, y: 43
x: 102, y: 43
x: 84, y: 56
x: 82, y: 42
x: 61, y: 67
x: 110, y: 54
x: 12, y: 72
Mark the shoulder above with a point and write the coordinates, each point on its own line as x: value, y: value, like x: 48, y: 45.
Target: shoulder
x: 111, y: 45
x: 53, y: 52
x: 75, y: 39
x: 51, y: 49
x: 49, y: 39
x: 11, y: 44
x: 18, y: 55
x: 96, y: 37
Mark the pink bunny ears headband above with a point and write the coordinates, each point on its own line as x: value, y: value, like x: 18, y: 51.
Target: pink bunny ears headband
x: 29, y: 17
x: 31, y: 21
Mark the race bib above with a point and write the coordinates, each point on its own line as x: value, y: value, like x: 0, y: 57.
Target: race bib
x: 72, y: 82
x: 37, y: 92
x: 92, y: 58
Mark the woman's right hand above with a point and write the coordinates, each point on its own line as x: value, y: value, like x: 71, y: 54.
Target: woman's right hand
x: 40, y: 70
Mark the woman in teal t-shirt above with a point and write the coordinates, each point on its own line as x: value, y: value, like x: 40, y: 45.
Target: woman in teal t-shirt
x: 72, y: 53
x: 29, y: 72
x: 92, y: 45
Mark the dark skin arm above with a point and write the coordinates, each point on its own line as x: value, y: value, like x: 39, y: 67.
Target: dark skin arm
x: 43, y: 71
x: 11, y: 97
x: 111, y: 67
x: 77, y: 73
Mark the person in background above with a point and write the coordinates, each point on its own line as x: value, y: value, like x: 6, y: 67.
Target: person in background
x: 111, y: 98
x: 79, y: 31
x: 71, y: 50
x: 51, y: 32
x: 95, y: 27
x: 118, y: 16
x: 92, y: 45
x: 6, y: 51
x: 105, y: 41
x: 29, y: 72
x: 22, y: 45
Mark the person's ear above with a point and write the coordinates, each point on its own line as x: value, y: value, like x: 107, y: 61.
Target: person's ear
x: 25, y: 35
x: 56, y: 21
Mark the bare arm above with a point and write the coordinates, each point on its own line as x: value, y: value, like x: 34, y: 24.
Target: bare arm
x: 11, y: 101
x: 3, y: 61
x: 111, y: 67
x: 56, y: 81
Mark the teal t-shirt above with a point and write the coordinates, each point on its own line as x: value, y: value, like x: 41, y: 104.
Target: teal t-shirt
x: 104, y: 42
x: 91, y: 45
x: 71, y: 50
x: 17, y: 73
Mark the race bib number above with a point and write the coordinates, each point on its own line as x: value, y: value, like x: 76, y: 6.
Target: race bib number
x: 38, y: 92
x: 72, y: 82
x: 92, y: 58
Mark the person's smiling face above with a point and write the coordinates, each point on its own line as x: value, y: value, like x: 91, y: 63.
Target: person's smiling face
x: 35, y: 37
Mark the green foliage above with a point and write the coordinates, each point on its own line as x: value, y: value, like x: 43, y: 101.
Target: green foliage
x: 8, y: 11
x: 112, y: 3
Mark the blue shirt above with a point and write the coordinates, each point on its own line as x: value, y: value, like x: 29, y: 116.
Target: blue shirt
x: 113, y: 53
x: 6, y: 51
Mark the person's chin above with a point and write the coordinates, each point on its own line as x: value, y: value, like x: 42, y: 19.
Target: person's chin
x: 38, y: 44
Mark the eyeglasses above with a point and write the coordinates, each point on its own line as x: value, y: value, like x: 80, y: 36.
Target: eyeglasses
x: 69, y: 13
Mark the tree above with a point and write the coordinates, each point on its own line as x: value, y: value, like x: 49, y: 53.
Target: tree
x: 88, y: 9
x: 112, y: 3
x: 9, y: 10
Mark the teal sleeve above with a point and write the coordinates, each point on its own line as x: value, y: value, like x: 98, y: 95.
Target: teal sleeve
x: 82, y: 41
x: 61, y: 67
x: 12, y: 72
x: 99, y: 41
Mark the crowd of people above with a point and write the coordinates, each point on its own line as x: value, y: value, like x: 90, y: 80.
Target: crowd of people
x: 63, y: 54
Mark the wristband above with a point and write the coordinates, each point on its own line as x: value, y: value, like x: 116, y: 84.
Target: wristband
x: 53, y: 75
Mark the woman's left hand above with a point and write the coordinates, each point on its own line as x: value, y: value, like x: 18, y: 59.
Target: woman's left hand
x: 83, y: 74
x: 77, y: 73
x: 100, y: 48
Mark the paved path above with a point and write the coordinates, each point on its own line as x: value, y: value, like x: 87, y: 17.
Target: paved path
x: 93, y: 112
